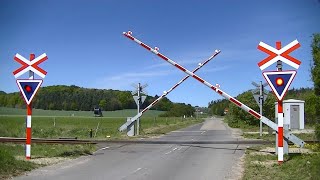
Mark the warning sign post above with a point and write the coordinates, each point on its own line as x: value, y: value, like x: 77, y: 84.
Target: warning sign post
x: 279, y: 81
x: 29, y: 87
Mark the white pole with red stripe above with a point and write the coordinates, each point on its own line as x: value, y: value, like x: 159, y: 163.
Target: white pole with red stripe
x: 29, y: 116
x: 265, y: 120
x: 280, y: 132
x: 280, y: 116
x: 31, y: 85
x: 165, y: 93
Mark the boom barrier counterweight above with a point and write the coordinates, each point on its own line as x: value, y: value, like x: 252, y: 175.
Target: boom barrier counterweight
x: 268, y: 122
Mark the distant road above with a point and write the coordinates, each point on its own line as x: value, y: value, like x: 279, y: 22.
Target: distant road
x: 156, y: 161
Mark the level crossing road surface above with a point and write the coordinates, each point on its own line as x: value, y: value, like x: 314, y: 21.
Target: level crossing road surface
x: 156, y: 161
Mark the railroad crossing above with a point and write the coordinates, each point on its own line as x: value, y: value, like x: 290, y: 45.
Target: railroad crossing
x: 275, y: 54
x: 127, y: 125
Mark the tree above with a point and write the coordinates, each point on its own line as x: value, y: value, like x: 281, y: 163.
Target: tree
x: 315, y: 74
x: 217, y: 107
x: 178, y: 110
x: 103, y: 104
x: 315, y: 68
x: 311, y: 104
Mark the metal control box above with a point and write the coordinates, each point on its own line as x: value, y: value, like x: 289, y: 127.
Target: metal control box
x: 293, y: 111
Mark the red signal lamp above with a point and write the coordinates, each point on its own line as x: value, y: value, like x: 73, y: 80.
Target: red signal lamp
x: 28, y: 88
x: 279, y: 81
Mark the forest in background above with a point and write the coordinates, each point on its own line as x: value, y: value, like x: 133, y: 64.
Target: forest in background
x: 74, y: 98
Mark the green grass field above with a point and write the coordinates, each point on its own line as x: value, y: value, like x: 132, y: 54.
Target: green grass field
x: 55, y: 124
x: 55, y: 127
x: 41, y: 112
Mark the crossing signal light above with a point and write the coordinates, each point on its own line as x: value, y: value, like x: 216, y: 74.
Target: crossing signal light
x: 28, y: 88
x: 279, y: 81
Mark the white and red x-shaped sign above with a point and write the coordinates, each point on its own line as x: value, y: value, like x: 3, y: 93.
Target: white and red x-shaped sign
x: 281, y: 54
x: 30, y: 65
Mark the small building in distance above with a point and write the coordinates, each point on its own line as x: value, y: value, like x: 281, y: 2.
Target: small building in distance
x: 97, y: 112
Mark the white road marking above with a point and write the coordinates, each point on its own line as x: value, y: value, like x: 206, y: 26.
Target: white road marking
x: 104, y: 148
x: 168, y: 152
x: 136, y: 170
x: 203, y: 132
x: 188, y: 131
x: 175, y: 149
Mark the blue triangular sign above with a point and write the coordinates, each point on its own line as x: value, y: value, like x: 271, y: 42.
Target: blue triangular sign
x: 28, y: 88
x: 279, y: 81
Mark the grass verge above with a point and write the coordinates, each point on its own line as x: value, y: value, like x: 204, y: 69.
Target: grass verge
x: 10, y: 166
x: 13, y: 163
x: 264, y: 166
x: 295, y: 166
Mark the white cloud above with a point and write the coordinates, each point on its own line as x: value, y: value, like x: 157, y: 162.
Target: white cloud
x: 138, y: 75
x: 158, y: 65
x: 185, y: 62
x: 216, y: 69
x: 123, y: 81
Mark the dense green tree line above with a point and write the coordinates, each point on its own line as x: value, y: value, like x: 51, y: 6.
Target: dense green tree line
x: 62, y: 97
x: 218, y: 107
x: 178, y: 110
x: 315, y: 74
x: 315, y: 68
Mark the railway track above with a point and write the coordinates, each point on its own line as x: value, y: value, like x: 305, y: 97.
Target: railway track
x: 81, y: 141
x: 46, y: 141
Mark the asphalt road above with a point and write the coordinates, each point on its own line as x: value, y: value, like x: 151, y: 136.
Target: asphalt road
x: 156, y: 161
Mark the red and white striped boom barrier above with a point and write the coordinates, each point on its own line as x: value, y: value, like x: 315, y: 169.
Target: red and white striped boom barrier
x: 165, y: 93
x: 265, y: 120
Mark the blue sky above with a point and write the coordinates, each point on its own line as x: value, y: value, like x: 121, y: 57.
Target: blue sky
x: 85, y: 46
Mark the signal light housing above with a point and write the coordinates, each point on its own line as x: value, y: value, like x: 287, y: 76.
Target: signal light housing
x: 28, y: 88
x: 279, y: 81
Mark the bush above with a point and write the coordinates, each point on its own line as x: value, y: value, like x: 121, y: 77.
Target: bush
x: 317, y: 131
x: 10, y: 166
